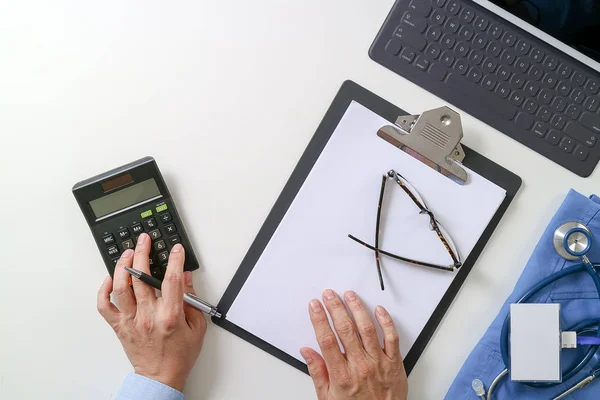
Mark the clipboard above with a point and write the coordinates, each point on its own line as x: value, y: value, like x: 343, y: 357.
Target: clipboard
x: 351, y: 92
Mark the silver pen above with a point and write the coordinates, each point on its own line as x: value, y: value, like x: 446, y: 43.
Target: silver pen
x: 189, y: 298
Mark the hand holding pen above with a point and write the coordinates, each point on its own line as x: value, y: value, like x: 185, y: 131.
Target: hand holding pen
x: 162, y: 337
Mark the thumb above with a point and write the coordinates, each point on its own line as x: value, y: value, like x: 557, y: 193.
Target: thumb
x: 317, y: 370
x: 194, y: 317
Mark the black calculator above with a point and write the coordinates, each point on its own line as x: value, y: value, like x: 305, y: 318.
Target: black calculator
x: 122, y: 203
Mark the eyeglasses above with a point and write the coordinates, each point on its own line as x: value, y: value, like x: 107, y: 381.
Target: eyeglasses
x: 434, y: 225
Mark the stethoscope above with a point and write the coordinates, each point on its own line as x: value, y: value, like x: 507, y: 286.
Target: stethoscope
x: 572, y: 241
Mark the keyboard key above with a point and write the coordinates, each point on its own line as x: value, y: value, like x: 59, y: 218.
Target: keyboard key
x: 591, y: 103
x: 453, y: 7
x: 420, y: 7
x: 573, y: 111
x: 581, y: 133
x: 434, y: 33
x: 537, y: 55
x: 489, y: 83
x: 411, y: 38
x: 438, y: 3
x: 553, y: 137
x: 448, y: 41
x: 591, y: 86
x: 558, y: 121
x: 127, y: 244
x: 480, y: 96
x: 462, y: 49
x: 466, y: 16
x: 523, y: 47
x: 163, y: 256
x: 559, y: 104
x: 160, y: 245
x: 433, y: 51
x: 564, y: 71
x: 408, y: 55
x: 509, y: 39
x: 437, y: 71
x: 451, y: 25
x: 503, y: 73
x: 447, y: 58
x: 495, y: 31
x: 476, y: 57
x: 137, y: 229
x: 481, y: 23
x: 563, y: 88
x: 480, y: 41
x: 540, y: 129
x: 466, y: 33
x: 462, y: 66
x: 490, y: 65
x: 549, y: 80
x: 123, y: 233
x: 508, y: 57
x: 422, y: 63
x: 113, y: 250
x: 567, y: 145
x: 550, y: 63
x: 577, y: 96
x: 544, y: 114
x: 165, y: 217
x: 516, y: 98
x: 150, y: 223
x: 173, y: 240
x: 578, y: 79
x: 155, y: 234
x: 170, y: 228
x: 108, y: 239
x: 502, y: 90
x: 525, y: 121
x: 494, y: 49
x: 417, y: 23
x: 546, y: 96
x: 581, y: 153
x: 516, y: 81
x: 591, y: 121
x: 438, y: 17
x: 531, y: 89
x: 530, y: 106
x: 536, y: 73
x: 522, y: 64
x: 474, y: 75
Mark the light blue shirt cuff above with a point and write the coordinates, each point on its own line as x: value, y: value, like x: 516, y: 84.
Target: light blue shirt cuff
x: 137, y: 387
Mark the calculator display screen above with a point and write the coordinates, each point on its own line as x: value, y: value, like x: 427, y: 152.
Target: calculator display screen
x: 125, y: 198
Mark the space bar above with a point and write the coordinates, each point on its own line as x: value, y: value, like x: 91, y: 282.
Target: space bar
x: 482, y: 97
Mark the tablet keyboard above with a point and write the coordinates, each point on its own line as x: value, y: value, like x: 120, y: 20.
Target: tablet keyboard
x: 499, y: 73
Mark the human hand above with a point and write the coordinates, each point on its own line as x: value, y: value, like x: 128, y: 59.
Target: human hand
x: 162, y: 337
x: 365, y: 371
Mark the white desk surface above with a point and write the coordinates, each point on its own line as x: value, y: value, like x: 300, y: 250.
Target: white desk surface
x: 225, y: 95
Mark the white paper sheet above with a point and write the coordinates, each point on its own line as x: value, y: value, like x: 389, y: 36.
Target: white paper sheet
x: 310, y: 250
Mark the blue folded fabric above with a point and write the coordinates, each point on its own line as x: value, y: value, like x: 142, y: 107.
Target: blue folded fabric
x: 578, y: 298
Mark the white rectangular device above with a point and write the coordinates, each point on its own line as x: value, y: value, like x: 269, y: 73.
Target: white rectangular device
x: 535, y: 343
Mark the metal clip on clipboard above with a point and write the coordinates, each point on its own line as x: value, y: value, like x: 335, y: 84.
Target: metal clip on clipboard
x: 432, y: 138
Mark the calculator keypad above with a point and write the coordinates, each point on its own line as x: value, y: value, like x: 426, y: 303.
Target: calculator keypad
x: 170, y: 228
x: 160, y: 245
x: 137, y: 229
x: 123, y: 233
x: 150, y: 223
x: 155, y: 234
x: 108, y: 239
x: 113, y: 251
x: 127, y: 244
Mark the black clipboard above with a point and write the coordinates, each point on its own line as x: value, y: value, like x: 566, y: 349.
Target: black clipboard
x: 349, y: 92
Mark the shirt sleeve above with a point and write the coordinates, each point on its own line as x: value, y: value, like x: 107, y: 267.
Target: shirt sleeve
x: 137, y: 387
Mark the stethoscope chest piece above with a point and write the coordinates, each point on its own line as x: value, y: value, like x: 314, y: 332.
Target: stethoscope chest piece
x: 572, y: 240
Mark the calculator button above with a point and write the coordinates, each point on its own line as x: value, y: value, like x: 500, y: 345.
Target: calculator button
x: 162, y: 257
x: 123, y: 233
x: 151, y: 262
x: 165, y: 217
x: 170, y: 228
x: 156, y: 271
x: 128, y: 244
x: 173, y: 240
x: 108, y: 239
x: 113, y: 250
x: 115, y: 260
x: 146, y: 214
x: 161, y: 208
x: 150, y: 223
x: 160, y: 245
x: 137, y: 229
x: 155, y: 234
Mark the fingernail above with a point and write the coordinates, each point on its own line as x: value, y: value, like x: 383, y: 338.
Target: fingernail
x: 315, y: 306
x: 142, y: 238
x: 329, y: 294
x: 177, y: 248
x: 306, y: 355
x: 187, y: 275
x: 350, y: 295
x: 381, y: 311
x: 127, y: 253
